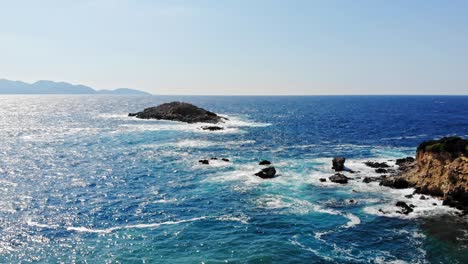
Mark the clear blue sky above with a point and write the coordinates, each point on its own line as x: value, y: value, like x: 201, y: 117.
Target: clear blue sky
x: 240, y: 47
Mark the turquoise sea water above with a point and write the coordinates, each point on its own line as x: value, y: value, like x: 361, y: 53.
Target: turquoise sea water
x: 82, y: 182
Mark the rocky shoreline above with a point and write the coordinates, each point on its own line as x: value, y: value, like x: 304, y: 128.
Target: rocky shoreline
x: 440, y: 169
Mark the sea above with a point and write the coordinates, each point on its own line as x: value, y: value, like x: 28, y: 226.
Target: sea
x: 81, y: 182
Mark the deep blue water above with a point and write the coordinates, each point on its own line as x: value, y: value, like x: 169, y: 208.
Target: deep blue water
x: 82, y: 182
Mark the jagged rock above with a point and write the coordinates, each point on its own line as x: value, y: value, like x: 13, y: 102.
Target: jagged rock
x: 403, y: 161
x: 457, y: 198
x: 212, y: 128
x: 370, y: 179
x: 396, y: 183
x: 338, y: 163
x: 339, y: 178
x: 322, y: 180
x: 204, y: 161
x: 405, y: 209
x: 266, y: 173
x: 373, y: 164
x: 179, y: 111
x: 264, y: 162
x: 380, y: 170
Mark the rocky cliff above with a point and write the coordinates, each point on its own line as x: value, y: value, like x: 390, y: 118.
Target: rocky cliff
x: 441, y: 169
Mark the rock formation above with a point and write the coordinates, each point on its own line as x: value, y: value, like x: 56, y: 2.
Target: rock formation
x: 339, y: 178
x: 441, y: 169
x: 267, y: 173
x: 338, y: 163
x: 179, y: 111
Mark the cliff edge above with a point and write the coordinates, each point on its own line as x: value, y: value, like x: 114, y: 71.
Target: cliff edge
x: 441, y: 169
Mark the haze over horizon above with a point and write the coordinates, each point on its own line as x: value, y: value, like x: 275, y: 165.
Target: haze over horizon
x: 240, y: 47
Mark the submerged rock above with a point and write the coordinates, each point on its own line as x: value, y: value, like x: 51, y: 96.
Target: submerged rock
x: 373, y: 164
x: 405, y: 208
x: 457, y: 198
x: 204, y: 161
x: 322, y: 180
x: 397, y: 183
x: 266, y: 173
x: 403, y: 161
x: 212, y: 128
x: 380, y: 170
x: 339, y: 178
x: 224, y: 159
x: 179, y: 111
x: 338, y: 163
x: 264, y: 162
x: 370, y: 179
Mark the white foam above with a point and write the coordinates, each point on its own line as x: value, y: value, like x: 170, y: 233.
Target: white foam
x: 243, y: 219
x: 353, y: 220
x: 111, y: 229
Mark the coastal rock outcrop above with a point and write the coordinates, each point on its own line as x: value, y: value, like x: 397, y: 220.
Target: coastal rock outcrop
x: 405, y: 208
x: 376, y: 165
x: 212, y: 128
x: 396, y: 183
x: 339, y: 178
x: 179, y: 111
x: 267, y: 173
x: 264, y: 162
x: 441, y: 169
x: 338, y: 163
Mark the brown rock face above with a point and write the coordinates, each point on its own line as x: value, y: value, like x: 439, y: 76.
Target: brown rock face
x: 442, y: 170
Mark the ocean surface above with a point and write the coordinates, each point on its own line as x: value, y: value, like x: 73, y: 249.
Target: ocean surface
x: 81, y: 182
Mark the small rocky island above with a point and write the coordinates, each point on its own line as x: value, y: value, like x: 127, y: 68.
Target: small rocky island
x: 179, y: 111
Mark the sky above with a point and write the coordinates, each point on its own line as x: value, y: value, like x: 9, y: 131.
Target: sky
x: 240, y: 47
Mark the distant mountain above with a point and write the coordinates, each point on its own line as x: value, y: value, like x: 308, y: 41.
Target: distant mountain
x: 51, y: 87
x: 123, y: 91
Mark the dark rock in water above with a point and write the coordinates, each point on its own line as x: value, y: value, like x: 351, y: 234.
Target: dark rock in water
x: 380, y: 170
x: 409, y: 196
x: 322, y: 180
x: 212, y: 128
x: 352, y: 201
x: 422, y: 197
x: 405, y: 209
x: 204, y: 161
x: 339, y: 178
x: 403, y: 161
x: 457, y: 198
x: 214, y: 158
x: 179, y: 111
x: 412, y: 205
x: 370, y: 179
x: 434, y: 204
x: 376, y: 164
x: 266, y: 173
x: 433, y: 191
x: 264, y: 162
x: 338, y: 163
x: 224, y: 159
x: 397, y: 183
